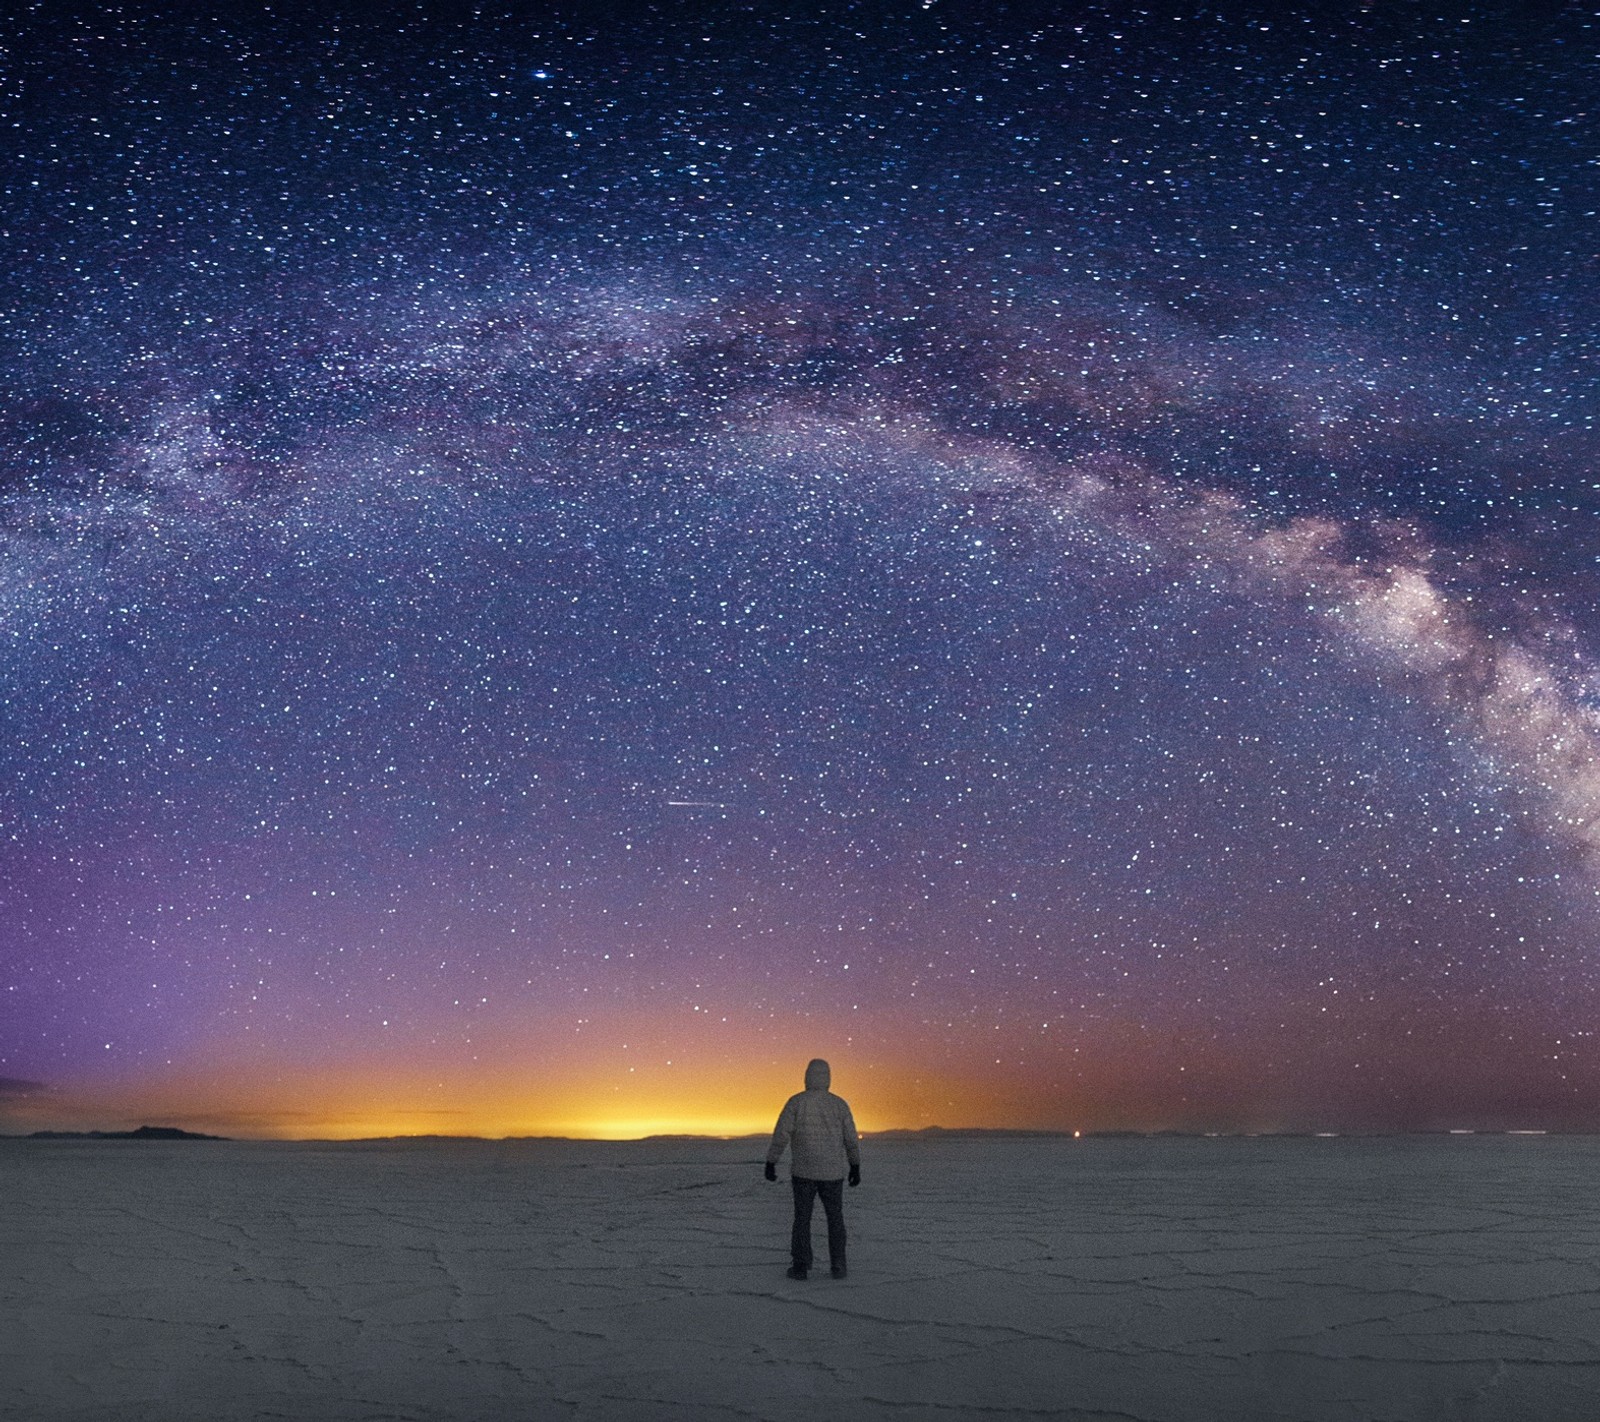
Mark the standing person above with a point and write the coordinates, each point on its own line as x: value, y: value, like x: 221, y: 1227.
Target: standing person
x: 823, y: 1132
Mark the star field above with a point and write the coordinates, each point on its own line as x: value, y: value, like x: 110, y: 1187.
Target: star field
x: 557, y: 564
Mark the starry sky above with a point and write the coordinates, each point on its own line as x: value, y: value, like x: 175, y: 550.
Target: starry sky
x: 559, y: 560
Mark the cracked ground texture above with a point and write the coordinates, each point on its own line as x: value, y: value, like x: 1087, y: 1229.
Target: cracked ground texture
x: 1163, y: 1280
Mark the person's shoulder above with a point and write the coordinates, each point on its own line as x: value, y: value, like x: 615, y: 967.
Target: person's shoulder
x: 840, y: 1100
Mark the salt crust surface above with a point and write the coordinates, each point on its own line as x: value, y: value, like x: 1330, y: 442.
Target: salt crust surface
x: 1164, y: 1279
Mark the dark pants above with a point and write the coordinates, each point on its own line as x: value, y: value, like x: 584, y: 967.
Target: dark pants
x: 805, y: 1192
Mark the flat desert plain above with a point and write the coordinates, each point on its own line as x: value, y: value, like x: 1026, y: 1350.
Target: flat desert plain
x: 1162, y: 1279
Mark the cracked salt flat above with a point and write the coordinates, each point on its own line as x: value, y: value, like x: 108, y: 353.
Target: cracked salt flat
x: 1156, y: 1280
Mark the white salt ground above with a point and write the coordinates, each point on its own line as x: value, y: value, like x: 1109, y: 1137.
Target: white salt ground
x: 1168, y: 1280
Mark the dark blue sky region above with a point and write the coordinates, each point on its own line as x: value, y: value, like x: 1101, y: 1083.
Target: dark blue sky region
x: 1047, y: 551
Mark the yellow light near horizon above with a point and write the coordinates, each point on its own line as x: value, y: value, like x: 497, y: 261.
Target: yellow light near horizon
x: 639, y: 1128
x: 363, y: 1100
x: 619, y: 1128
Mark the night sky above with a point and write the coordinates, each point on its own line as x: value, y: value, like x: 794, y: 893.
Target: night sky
x: 561, y: 561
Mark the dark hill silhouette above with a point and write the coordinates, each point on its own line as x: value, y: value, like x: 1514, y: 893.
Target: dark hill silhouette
x: 144, y: 1133
x: 963, y: 1133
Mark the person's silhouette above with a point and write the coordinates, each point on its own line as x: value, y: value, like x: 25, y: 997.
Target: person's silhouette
x: 822, y: 1131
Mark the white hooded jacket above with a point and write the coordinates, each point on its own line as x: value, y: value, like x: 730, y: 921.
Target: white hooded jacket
x: 820, y: 1127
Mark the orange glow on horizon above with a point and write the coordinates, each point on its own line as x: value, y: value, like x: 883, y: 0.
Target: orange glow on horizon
x: 348, y: 1104
x: 641, y: 1080
x: 638, y: 1078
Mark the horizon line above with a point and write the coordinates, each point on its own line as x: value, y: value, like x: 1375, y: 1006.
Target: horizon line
x: 1061, y: 1133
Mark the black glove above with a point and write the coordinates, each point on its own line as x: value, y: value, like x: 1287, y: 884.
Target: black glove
x: 772, y: 1171
x: 855, y: 1174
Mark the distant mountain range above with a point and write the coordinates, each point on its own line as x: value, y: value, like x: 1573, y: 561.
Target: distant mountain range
x: 961, y: 1132
x: 144, y: 1133
x: 924, y: 1133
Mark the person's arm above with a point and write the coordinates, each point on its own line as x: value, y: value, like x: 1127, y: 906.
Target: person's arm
x: 782, y: 1134
x: 852, y: 1147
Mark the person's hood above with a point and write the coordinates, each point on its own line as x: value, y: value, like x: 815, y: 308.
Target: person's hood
x: 819, y: 1076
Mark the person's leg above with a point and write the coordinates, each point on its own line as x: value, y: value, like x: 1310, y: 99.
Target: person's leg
x: 805, y: 1194
x: 832, y: 1192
